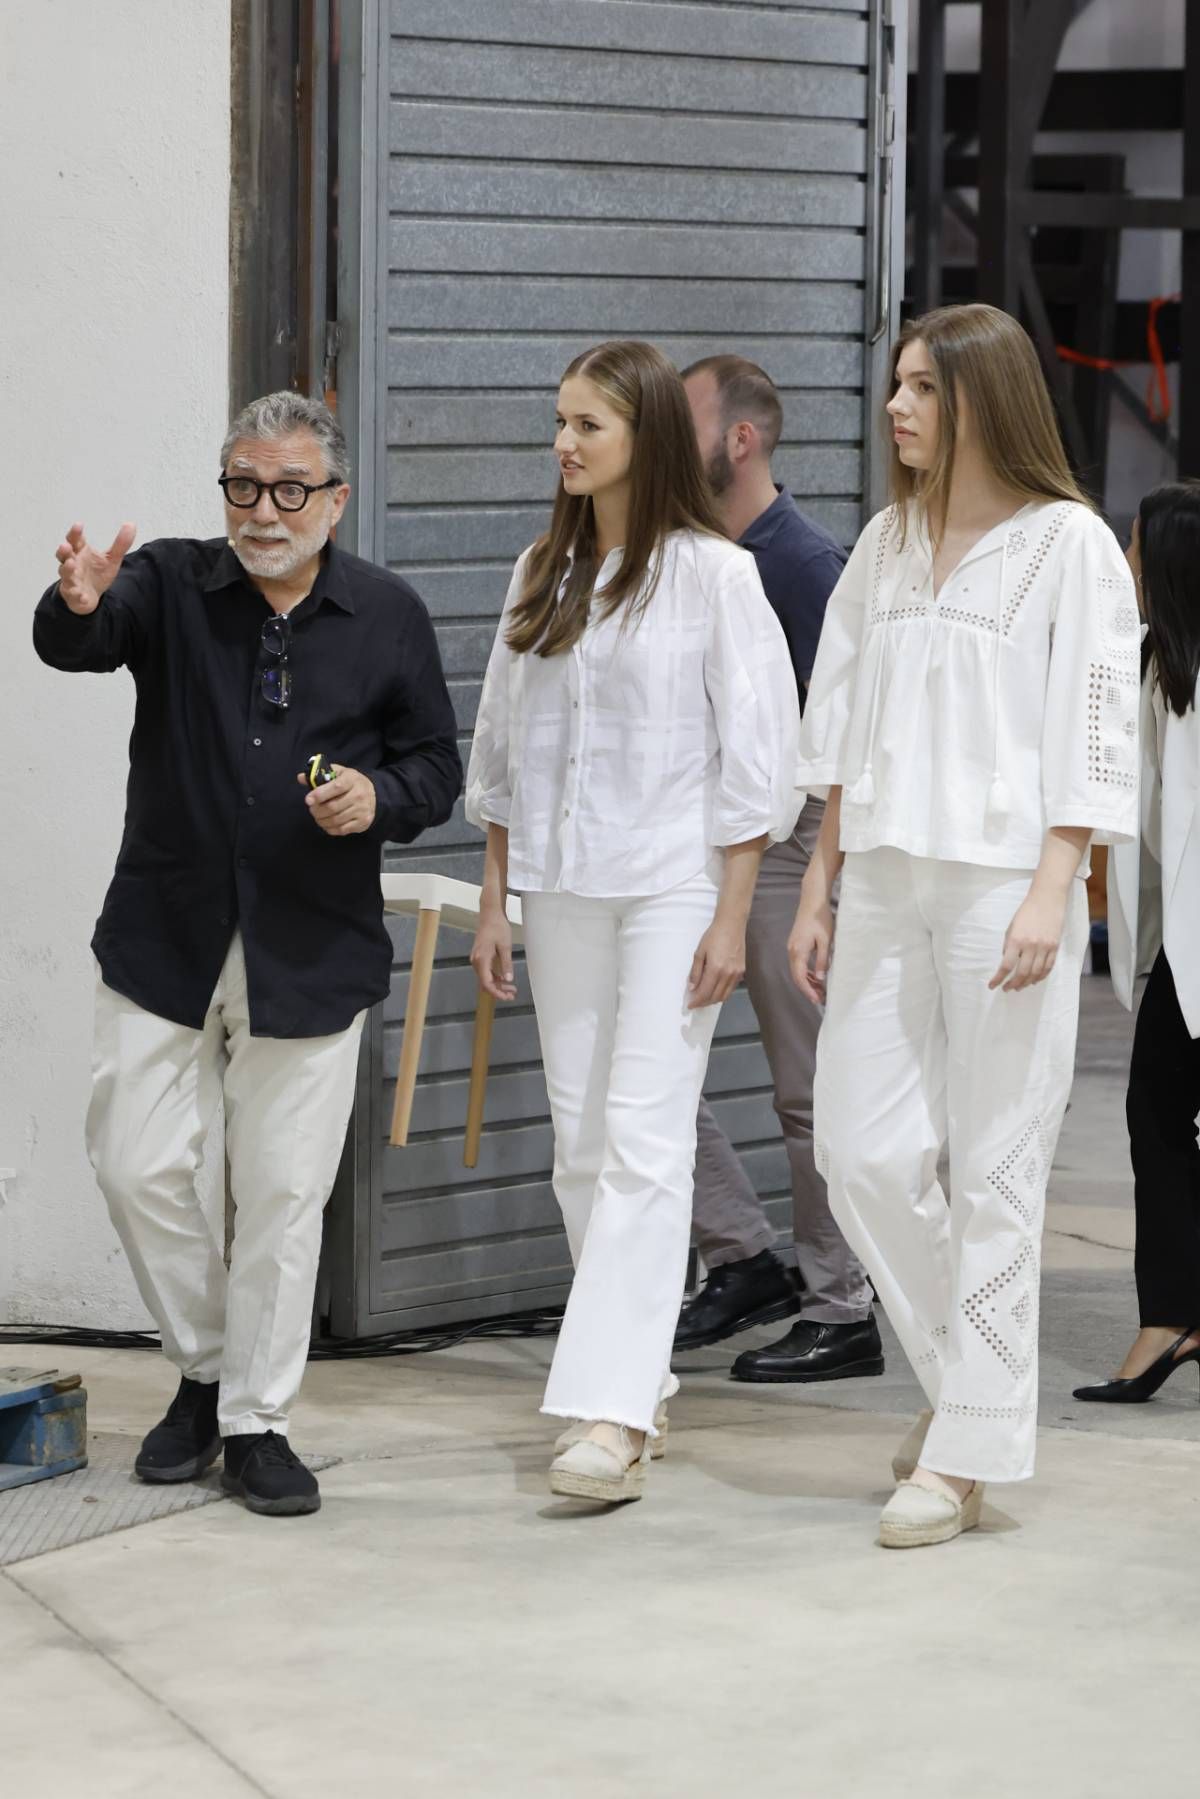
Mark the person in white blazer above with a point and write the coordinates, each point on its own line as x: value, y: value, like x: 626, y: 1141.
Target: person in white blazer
x: 972, y: 717
x: 635, y: 752
x: 1154, y: 927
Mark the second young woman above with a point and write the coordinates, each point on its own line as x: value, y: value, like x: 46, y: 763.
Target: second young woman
x: 634, y: 753
x: 1154, y: 924
x: 972, y: 714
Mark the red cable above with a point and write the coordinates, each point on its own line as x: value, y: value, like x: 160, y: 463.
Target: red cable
x: 1158, y: 390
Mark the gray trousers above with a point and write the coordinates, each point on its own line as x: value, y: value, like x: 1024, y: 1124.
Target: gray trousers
x: 728, y: 1221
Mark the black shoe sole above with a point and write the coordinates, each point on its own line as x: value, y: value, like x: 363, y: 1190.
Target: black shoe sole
x: 296, y: 1505
x: 851, y: 1371
x: 189, y: 1470
x: 768, y: 1315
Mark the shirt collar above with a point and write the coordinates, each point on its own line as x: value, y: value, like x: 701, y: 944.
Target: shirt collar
x: 331, y: 582
x: 760, y: 531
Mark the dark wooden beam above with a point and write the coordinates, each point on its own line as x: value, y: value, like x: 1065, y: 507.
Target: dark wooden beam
x: 1002, y: 157
x: 1109, y: 100
x: 929, y: 156
x: 264, y: 199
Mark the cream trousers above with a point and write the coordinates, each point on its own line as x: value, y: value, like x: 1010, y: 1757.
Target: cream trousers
x: 916, y: 1051
x: 625, y: 1062
x: 155, y: 1091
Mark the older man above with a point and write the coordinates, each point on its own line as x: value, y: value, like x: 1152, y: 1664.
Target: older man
x: 242, y: 939
x: 739, y: 418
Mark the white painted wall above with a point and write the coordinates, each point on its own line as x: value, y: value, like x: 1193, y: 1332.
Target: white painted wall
x: 114, y: 191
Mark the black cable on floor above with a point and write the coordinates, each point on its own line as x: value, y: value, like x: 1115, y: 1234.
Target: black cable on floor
x: 542, y: 1323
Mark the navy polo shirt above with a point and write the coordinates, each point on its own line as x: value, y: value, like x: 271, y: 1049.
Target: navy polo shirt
x: 799, y: 565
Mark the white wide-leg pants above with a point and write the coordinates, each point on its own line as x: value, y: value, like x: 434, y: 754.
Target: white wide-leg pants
x: 155, y: 1091
x: 625, y: 1062
x: 915, y: 1051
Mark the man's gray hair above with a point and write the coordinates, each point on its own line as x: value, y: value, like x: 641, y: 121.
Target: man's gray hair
x: 276, y: 415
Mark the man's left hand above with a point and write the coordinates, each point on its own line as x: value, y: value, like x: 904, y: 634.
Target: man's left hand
x: 344, y: 806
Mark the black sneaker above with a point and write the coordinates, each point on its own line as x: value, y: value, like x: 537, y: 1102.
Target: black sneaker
x: 186, y: 1441
x: 736, y: 1296
x: 263, y: 1471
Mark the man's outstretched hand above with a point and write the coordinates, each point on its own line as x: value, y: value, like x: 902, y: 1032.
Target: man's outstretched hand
x: 84, y: 574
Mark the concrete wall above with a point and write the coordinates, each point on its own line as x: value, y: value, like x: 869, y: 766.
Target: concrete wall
x: 114, y: 189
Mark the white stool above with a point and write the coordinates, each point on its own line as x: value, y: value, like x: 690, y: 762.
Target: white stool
x: 434, y: 900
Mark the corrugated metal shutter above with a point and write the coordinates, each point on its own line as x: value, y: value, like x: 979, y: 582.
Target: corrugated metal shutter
x: 558, y: 172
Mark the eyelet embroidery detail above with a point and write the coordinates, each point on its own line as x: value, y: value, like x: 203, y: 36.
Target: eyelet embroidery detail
x: 1008, y: 1325
x: 1112, y: 696
x: 1020, y: 1178
x: 1017, y: 598
x: 995, y: 1412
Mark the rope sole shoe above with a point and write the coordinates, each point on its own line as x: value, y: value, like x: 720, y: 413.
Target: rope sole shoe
x: 575, y: 1433
x: 915, y: 1517
x: 186, y: 1441
x: 264, y: 1473
x: 904, y: 1462
x: 590, y: 1471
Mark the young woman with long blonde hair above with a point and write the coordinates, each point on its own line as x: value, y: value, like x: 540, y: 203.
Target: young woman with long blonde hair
x: 973, y: 716
x: 634, y: 753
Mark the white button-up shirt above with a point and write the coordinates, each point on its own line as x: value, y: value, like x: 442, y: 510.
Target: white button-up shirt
x: 620, y: 765
x: 963, y: 727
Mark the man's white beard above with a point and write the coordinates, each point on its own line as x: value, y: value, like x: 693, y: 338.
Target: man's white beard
x: 275, y: 561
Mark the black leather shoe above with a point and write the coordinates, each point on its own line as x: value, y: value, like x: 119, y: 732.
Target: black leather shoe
x: 184, y: 1443
x: 735, y: 1296
x: 264, y: 1472
x: 815, y: 1352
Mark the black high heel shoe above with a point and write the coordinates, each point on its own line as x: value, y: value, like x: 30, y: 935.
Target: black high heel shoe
x: 1145, y: 1385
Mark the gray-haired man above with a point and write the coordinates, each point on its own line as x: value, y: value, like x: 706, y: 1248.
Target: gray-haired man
x: 738, y: 419
x: 242, y: 938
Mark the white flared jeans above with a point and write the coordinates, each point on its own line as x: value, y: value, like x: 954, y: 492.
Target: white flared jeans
x: 915, y: 1052
x: 625, y: 1062
x: 155, y: 1091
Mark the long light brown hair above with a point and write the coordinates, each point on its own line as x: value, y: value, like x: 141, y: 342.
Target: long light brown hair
x: 981, y: 358
x: 667, y: 492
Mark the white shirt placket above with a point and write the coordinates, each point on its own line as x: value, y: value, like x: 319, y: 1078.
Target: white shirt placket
x: 576, y: 725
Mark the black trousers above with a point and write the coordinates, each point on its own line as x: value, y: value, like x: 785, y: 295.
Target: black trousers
x: 1161, y: 1108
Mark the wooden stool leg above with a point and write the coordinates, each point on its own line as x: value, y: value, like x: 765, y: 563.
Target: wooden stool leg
x: 485, y: 1012
x: 414, y: 1023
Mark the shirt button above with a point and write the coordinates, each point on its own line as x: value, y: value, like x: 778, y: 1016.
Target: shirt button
x: 258, y: 743
x: 572, y: 761
x: 566, y: 811
x: 249, y: 799
x: 242, y: 862
x: 575, y: 705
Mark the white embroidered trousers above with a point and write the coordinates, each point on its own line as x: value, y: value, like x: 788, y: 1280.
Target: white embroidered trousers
x: 915, y: 1052
x: 156, y: 1087
x: 624, y: 1062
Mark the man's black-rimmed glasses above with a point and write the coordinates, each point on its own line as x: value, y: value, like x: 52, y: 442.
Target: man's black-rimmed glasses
x: 244, y: 492
x: 277, y: 676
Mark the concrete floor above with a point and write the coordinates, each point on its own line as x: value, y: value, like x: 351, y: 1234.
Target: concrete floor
x: 444, y: 1627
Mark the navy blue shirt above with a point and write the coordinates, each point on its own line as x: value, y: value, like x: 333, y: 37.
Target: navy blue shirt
x: 798, y: 565
x: 217, y: 835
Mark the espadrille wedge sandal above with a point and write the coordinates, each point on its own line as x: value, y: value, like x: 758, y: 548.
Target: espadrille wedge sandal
x: 576, y: 1432
x: 916, y: 1516
x: 590, y: 1471
x: 904, y: 1462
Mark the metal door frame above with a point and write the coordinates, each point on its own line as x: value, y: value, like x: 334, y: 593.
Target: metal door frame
x: 363, y: 96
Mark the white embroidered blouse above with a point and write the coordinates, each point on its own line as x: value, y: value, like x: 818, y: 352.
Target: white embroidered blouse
x: 963, y: 727
x: 620, y: 765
